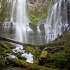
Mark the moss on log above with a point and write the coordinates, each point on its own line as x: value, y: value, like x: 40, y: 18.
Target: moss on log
x: 24, y: 64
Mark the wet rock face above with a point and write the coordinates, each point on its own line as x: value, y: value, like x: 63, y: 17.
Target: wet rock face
x: 40, y: 1
x: 32, y: 1
x: 68, y: 12
x: 36, y: 4
x: 37, y: 9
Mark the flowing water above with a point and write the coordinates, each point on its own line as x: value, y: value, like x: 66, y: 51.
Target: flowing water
x: 56, y: 21
x: 21, y: 27
x: 54, y: 25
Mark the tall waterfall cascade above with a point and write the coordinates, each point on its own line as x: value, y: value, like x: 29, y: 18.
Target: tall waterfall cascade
x: 21, y: 27
x: 56, y: 21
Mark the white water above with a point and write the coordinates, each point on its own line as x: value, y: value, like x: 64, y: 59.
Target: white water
x: 39, y: 36
x: 21, y: 21
x: 56, y: 21
x: 21, y: 27
x: 12, y: 11
x: 38, y: 29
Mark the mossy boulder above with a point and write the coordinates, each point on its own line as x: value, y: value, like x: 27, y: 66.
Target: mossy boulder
x: 43, y: 57
x: 44, y: 54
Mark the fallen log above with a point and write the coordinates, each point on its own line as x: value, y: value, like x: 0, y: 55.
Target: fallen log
x: 14, y: 41
x: 25, y: 44
x: 24, y: 64
x: 17, y: 42
x: 10, y: 40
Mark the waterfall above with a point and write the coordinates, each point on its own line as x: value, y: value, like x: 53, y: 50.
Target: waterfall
x: 54, y: 25
x: 56, y: 21
x: 21, y: 21
x: 12, y: 11
x: 21, y: 27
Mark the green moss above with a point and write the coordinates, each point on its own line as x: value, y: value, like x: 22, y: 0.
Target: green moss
x: 63, y: 38
x: 29, y: 49
x: 35, y: 51
x: 44, y: 54
x: 38, y: 15
x: 3, y: 63
x: 4, y: 49
x: 58, y: 60
x: 6, y: 45
x: 61, y: 57
x: 21, y: 63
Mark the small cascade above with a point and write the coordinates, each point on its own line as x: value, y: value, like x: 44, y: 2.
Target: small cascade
x: 38, y: 29
x: 39, y: 37
x: 56, y: 21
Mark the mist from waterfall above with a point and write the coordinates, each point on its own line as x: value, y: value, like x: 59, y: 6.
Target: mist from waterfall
x: 56, y: 21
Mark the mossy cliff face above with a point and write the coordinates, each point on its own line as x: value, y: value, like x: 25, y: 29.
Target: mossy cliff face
x: 37, y: 9
x: 3, y: 7
x: 5, y: 10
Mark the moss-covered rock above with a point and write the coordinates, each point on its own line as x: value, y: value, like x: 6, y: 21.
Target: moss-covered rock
x: 21, y: 63
x: 44, y: 54
x: 5, y: 49
x: 43, y: 57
